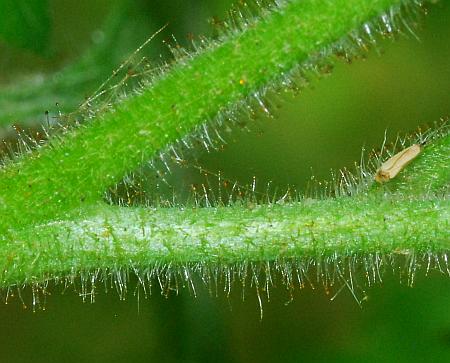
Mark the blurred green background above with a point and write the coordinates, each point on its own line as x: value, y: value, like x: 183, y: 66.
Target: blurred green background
x: 60, y: 51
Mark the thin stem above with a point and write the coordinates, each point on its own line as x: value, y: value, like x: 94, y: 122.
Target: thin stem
x: 53, y: 223
x: 106, y: 237
x: 67, y: 173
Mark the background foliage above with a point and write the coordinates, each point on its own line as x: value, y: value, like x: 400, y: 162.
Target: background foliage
x: 323, y: 127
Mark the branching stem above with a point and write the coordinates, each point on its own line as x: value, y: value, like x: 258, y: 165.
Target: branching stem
x: 53, y: 223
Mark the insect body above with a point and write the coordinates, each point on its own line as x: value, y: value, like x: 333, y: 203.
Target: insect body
x: 391, y: 167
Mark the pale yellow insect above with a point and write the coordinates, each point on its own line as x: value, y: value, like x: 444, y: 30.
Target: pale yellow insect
x: 391, y: 167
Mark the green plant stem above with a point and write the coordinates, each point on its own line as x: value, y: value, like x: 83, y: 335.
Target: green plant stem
x: 73, y: 171
x: 106, y: 237
x: 54, y: 225
x: 111, y: 237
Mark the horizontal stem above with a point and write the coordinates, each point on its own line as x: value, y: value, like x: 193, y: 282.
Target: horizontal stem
x: 379, y: 220
x: 52, y: 225
x: 111, y: 237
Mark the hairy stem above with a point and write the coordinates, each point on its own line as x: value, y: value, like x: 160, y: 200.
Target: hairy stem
x: 53, y: 223
x: 112, y: 237
x: 70, y: 172
x: 106, y: 238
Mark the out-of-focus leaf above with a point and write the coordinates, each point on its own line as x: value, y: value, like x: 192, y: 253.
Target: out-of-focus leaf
x: 25, y: 24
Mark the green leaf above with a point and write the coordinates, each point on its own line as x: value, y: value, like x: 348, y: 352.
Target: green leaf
x: 25, y: 24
